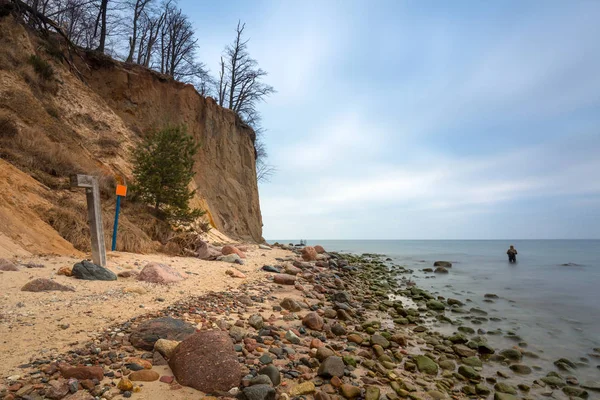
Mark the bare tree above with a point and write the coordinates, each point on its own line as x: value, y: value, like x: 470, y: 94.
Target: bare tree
x: 240, y: 85
x: 240, y: 88
x: 101, y: 21
x: 138, y: 7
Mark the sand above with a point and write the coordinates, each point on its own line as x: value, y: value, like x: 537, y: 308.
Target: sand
x: 34, y: 324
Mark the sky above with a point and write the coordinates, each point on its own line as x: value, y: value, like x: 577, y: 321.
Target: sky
x: 423, y: 119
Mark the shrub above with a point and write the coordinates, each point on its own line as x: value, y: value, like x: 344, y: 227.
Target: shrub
x: 41, y: 67
x: 163, y: 168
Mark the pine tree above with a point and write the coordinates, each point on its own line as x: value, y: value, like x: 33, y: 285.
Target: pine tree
x: 163, y: 168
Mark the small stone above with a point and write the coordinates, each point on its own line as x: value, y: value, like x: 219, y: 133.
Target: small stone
x: 521, y: 369
x: 273, y: 373
x: 426, y: 365
x: 145, y: 375
x: 313, y: 321
x: 259, y: 392
x: 290, y: 305
x: 256, y: 321
x: 332, y: 366
x: 350, y: 391
x: 302, y: 388
x: 125, y: 384
x: 292, y: 337
x: 372, y: 393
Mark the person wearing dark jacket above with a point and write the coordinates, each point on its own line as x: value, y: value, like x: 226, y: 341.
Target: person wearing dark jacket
x: 512, y: 254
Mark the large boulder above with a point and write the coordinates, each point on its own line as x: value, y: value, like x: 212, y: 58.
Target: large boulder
x: 147, y: 333
x: 92, y: 272
x: 159, y: 273
x: 45, y: 285
x: 6, y: 265
x: 444, y: 264
x: 309, y: 253
x: 207, y: 362
x: 229, y: 249
x: 319, y: 249
x: 426, y: 365
x: 207, y: 251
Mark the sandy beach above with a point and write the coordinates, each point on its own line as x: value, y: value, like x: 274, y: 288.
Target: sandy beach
x: 33, y: 324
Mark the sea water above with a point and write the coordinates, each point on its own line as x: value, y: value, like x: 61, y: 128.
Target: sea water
x: 550, y: 298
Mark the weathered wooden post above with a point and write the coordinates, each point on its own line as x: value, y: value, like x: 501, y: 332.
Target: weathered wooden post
x: 92, y: 193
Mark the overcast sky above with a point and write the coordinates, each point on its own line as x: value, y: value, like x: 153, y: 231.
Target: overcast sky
x: 424, y: 119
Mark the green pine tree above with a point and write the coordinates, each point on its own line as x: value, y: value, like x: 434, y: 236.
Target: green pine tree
x: 163, y: 168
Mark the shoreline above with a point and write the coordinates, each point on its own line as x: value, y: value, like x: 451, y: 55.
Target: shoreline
x: 383, y: 344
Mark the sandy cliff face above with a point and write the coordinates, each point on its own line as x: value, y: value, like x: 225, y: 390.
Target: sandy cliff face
x: 51, y: 128
x: 225, y: 167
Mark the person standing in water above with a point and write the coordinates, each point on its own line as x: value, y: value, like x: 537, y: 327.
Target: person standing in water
x: 512, y: 254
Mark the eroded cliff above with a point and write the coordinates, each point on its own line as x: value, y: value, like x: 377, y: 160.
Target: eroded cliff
x: 55, y: 125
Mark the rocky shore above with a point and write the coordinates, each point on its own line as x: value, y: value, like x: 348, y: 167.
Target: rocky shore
x: 314, y: 325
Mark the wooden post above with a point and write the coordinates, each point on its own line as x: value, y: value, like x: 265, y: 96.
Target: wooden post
x: 92, y: 194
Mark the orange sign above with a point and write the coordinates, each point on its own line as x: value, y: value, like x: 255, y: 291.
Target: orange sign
x: 121, y: 190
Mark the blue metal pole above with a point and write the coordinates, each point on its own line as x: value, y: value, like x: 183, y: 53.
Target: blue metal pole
x: 116, y: 224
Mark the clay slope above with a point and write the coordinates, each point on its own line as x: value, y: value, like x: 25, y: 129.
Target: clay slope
x: 53, y: 127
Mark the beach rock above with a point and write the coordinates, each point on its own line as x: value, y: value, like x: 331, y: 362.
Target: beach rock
x: 332, y: 366
x: 511, y: 354
x: 319, y: 249
x: 45, y: 285
x: 520, y: 369
x: 165, y: 347
x: 435, y: 305
x: 127, y: 274
x: 259, y: 392
x: 426, y: 365
x: 575, y: 392
x: 468, y: 372
x: 206, y: 251
x: 291, y: 270
x: 502, y: 387
x: 355, y: 338
x: 159, y: 273
x: 565, y: 364
x: 125, y: 385
x: 290, y: 305
x: 379, y: 340
x: 302, y: 389
x: 553, y: 381
x: 135, y: 289
x: 83, y: 373
x: 372, y: 393
x: 256, y: 321
x: 273, y: 373
x: 234, y: 273
x: 270, y: 268
x: 342, y: 297
x: 92, y: 272
x: 7, y: 265
x: 472, y: 361
x: 147, y: 333
x: 440, y: 270
x: 230, y: 258
x: 447, y: 365
x: 338, y: 330
x: 482, y: 390
x: 57, y: 389
x: 313, y: 321
x: 144, y: 375
x: 464, y: 351
x: 443, y: 264
x: 284, y: 279
x: 80, y: 395
x: 206, y: 361
x: 65, y: 271
x: 292, y: 337
x: 452, y: 302
x: 264, y: 247
x: 229, y: 249
x: 309, y: 253
x: 350, y: 391
x: 323, y: 353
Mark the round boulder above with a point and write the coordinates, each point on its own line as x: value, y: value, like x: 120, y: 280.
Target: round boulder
x: 159, y: 273
x: 309, y: 253
x: 206, y: 361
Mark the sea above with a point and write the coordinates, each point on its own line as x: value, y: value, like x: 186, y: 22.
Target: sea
x: 550, y: 298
